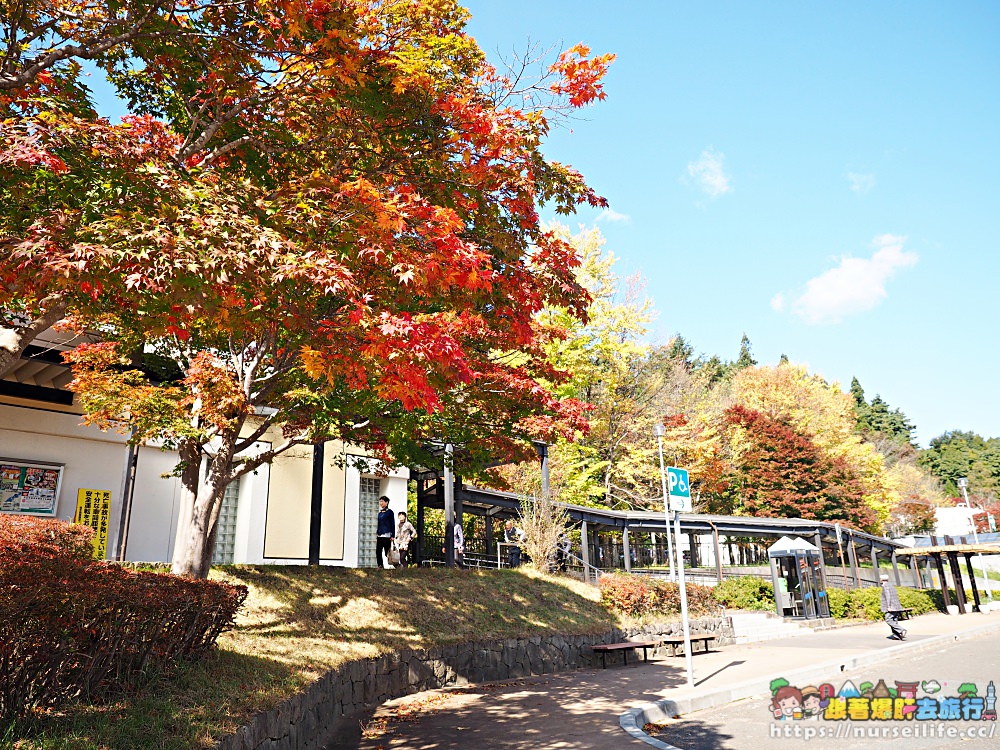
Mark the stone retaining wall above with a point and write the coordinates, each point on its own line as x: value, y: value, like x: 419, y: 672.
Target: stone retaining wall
x: 304, y: 721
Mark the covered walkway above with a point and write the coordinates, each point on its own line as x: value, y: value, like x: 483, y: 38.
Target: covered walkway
x: 714, y: 546
x: 952, y: 551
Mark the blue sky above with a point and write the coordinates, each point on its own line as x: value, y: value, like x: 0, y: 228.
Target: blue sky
x: 822, y: 177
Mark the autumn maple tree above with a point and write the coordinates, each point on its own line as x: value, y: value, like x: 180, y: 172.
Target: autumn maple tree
x: 321, y: 222
x: 781, y: 473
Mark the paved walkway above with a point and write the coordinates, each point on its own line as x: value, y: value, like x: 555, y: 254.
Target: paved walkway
x: 581, y: 709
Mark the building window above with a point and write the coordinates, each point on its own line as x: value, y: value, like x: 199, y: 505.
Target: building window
x: 225, y: 537
x: 367, y: 521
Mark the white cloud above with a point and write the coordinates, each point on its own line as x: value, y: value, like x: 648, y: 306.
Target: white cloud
x: 856, y: 285
x: 709, y: 174
x: 861, y: 183
x: 610, y: 214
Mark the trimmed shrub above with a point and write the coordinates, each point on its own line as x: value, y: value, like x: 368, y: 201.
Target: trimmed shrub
x: 865, y: 604
x: 745, y: 592
x: 838, y: 599
x: 639, y: 596
x: 937, y: 598
x: 71, y: 627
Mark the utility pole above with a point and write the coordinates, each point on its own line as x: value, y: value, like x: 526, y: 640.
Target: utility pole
x: 660, y: 430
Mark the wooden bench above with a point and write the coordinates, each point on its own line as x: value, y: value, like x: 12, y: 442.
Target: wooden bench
x: 605, y: 648
x: 906, y: 613
x: 678, y: 640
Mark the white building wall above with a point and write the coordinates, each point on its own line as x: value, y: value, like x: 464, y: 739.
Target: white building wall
x: 251, y: 518
x: 955, y: 521
x: 155, y: 502
x: 92, y: 459
x: 97, y: 460
x: 393, y: 486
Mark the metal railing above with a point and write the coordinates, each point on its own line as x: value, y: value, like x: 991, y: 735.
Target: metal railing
x: 587, y: 569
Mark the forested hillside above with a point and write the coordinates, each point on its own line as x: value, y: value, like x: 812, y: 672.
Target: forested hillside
x: 759, y: 439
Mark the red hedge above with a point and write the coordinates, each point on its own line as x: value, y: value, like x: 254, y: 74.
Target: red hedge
x: 638, y: 595
x: 71, y: 627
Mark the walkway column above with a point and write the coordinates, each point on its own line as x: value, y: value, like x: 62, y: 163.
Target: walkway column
x: 585, y: 550
x: 693, y: 545
x: 895, y: 569
x: 956, y: 573
x: 878, y: 573
x: 316, y: 503
x: 421, y: 490
x: 972, y: 577
x: 490, y: 546
x: 652, y: 542
x: 853, y: 555
x: 718, y: 554
x: 944, y: 581
x: 626, y: 553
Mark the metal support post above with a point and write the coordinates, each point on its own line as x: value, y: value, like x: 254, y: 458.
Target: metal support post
x: 684, y: 603
x: 449, y: 508
x: 666, y: 500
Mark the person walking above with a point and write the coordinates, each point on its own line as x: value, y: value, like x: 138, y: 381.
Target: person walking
x: 892, y: 609
x: 562, y: 552
x: 513, y: 536
x: 384, y: 533
x: 404, y: 535
x: 459, y: 546
x: 458, y: 541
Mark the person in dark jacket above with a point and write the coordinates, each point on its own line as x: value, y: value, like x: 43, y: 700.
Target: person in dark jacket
x: 892, y: 609
x: 385, y: 533
x: 513, y: 536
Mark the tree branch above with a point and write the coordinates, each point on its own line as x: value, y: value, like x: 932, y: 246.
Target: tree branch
x: 15, y: 339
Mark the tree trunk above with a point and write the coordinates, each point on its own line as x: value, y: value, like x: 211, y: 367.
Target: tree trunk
x: 192, y: 553
x: 201, y: 502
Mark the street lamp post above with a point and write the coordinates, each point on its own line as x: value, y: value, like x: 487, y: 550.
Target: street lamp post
x: 963, y: 484
x: 666, y: 498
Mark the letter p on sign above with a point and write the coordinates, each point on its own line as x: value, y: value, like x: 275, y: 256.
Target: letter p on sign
x: 680, y: 489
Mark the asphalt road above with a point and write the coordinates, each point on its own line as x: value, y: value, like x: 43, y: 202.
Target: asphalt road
x: 748, y: 725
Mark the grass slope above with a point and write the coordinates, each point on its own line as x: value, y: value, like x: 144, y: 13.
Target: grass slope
x: 300, y: 622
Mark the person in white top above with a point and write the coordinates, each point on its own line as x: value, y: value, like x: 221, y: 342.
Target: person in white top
x: 459, y: 546
x: 404, y: 535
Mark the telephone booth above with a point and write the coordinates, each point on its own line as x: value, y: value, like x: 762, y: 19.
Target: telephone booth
x: 799, y: 583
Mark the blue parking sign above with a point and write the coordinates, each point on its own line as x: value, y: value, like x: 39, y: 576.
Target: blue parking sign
x: 680, y: 489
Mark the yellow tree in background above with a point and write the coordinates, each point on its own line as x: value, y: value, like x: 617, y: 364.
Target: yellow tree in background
x: 613, y: 371
x: 825, y: 413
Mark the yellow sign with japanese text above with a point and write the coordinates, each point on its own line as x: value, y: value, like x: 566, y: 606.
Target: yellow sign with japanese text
x: 93, y: 509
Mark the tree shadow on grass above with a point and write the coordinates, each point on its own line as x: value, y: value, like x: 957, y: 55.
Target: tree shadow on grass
x: 413, y: 608
x: 300, y: 622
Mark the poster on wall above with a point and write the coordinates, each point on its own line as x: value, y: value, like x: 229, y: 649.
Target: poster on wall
x: 29, y: 488
x: 93, y: 509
